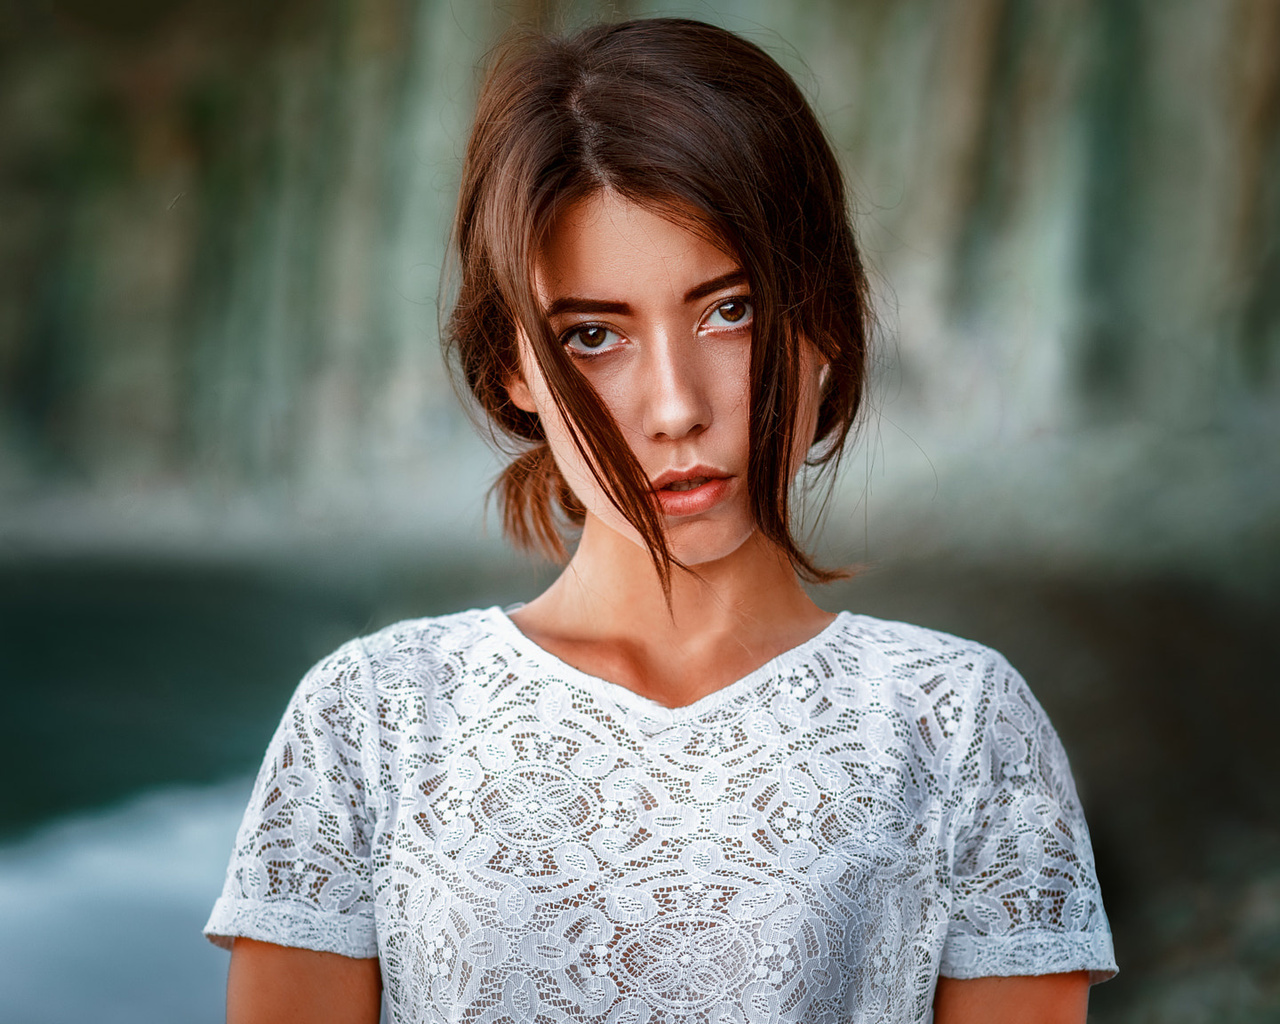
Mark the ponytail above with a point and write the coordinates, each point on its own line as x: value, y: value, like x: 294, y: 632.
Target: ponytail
x: 530, y: 491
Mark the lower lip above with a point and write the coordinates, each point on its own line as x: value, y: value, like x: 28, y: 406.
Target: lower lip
x: 695, y: 500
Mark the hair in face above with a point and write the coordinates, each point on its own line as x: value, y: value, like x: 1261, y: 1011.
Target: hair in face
x: 698, y: 125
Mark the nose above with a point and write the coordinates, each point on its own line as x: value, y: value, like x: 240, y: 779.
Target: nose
x: 677, y: 394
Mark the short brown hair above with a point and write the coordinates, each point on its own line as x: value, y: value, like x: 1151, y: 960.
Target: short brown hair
x: 677, y: 116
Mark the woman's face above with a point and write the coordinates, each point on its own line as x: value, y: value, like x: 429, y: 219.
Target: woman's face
x: 659, y: 321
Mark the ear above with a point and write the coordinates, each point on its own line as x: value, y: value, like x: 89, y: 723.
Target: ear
x: 519, y: 393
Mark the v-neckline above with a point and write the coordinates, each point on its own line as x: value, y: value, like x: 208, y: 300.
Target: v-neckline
x: 627, y: 699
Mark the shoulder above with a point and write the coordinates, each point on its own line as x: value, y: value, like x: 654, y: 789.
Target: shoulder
x: 410, y: 652
x: 430, y: 637
x: 407, y: 679
x: 905, y: 638
x: 946, y: 692
x: 972, y: 709
x: 430, y: 659
x: 909, y: 657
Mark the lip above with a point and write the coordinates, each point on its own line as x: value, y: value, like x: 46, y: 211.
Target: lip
x: 695, y: 500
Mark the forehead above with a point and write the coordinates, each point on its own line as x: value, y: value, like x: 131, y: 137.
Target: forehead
x: 608, y: 246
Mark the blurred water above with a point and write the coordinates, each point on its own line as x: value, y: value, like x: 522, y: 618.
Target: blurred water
x: 100, y: 913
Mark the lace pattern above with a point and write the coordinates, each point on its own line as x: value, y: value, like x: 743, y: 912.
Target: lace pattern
x: 519, y: 841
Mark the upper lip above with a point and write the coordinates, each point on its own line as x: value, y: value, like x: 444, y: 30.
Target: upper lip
x: 692, y: 473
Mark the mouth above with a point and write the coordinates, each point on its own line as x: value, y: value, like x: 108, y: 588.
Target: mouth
x: 678, y: 480
x: 685, y: 485
x: 691, y: 491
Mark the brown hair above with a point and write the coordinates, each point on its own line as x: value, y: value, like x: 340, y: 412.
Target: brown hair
x: 677, y: 116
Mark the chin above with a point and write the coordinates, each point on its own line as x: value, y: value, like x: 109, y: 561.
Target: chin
x: 693, y: 543
x: 705, y: 543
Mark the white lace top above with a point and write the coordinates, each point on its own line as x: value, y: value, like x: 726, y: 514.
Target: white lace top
x: 518, y: 841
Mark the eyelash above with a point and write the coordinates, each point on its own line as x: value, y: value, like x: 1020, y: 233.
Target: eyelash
x: 590, y: 353
x: 736, y: 300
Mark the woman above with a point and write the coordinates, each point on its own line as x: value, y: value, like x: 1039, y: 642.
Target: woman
x: 670, y: 787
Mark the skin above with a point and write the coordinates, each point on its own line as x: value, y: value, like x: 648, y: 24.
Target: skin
x: 270, y: 983
x: 1038, y: 999
x: 674, y: 374
x: 656, y: 321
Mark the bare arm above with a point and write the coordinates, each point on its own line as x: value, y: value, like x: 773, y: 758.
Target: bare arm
x: 270, y: 984
x: 1038, y: 999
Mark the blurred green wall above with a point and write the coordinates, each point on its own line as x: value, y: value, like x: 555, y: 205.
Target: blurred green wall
x: 223, y: 238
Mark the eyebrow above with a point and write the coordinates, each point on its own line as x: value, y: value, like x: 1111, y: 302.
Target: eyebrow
x: 573, y: 304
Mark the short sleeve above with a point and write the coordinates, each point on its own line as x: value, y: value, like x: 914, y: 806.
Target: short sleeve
x: 1025, y: 896
x: 301, y: 873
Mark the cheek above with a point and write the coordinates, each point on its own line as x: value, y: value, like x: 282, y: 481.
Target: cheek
x: 573, y: 467
x: 560, y: 441
x: 532, y: 394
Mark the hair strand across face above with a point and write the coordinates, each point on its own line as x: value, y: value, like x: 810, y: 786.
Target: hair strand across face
x: 706, y: 129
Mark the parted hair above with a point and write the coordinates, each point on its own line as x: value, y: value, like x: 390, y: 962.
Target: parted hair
x: 703, y: 127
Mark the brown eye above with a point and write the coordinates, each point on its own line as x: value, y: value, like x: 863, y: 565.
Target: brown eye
x: 731, y: 313
x: 590, y: 338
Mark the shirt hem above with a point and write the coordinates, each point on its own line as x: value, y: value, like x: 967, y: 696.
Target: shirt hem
x: 291, y: 924
x: 1029, y: 953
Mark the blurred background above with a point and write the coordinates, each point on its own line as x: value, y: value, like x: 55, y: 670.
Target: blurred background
x: 228, y: 443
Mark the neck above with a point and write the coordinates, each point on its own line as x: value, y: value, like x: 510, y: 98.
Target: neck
x: 608, y: 616
x: 613, y: 584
